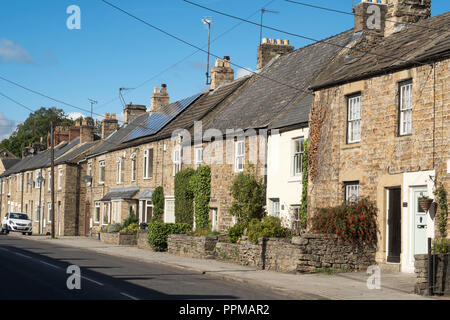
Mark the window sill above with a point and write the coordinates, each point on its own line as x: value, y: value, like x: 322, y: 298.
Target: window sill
x: 101, y: 183
x: 148, y: 178
x: 295, y: 179
x: 355, y: 145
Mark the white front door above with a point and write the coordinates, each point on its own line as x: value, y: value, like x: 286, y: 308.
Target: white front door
x: 419, y: 232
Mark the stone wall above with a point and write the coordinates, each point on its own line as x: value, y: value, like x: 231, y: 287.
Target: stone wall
x: 142, y: 240
x: 193, y: 247
x: 124, y: 239
x: 305, y: 254
x: 441, y: 274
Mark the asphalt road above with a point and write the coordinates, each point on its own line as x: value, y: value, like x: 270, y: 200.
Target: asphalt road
x: 36, y: 270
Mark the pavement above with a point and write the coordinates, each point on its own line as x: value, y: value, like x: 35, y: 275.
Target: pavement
x: 338, y: 286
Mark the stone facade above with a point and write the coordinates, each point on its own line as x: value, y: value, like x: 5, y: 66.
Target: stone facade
x: 202, y: 247
x: 269, y: 49
x: 383, y: 159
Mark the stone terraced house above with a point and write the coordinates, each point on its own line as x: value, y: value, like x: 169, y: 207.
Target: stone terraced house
x: 380, y: 127
x: 26, y: 186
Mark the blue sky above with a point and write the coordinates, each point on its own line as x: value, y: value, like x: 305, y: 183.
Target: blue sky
x: 111, y: 50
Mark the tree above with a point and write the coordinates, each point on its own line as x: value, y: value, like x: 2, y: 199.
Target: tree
x: 248, y: 194
x: 37, y: 125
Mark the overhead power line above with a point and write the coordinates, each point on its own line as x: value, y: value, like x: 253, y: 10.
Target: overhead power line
x: 186, y: 57
x: 360, y: 15
x: 16, y: 102
x: 296, y: 34
x: 195, y: 46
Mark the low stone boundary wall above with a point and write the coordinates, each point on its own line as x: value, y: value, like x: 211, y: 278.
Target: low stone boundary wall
x: 142, y: 240
x: 441, y: 274
x: 305, y: 254
x: 125, y: 239
x: 193, y: 247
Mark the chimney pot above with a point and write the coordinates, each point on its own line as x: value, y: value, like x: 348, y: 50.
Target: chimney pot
x: 279, y: 42
x: 159, y: 98
x: 269, y: 49
x: 265, y: 40
x: 221, y: 72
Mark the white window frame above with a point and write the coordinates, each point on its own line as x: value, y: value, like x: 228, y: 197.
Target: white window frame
x: 133, y: 167
x: 297, y: 156
x: 101, y: 169
x: 116, y: 209
x: 119, y: 170
x: 177, y: 159
x: 97, y: 206
x: 351, y: 189
x: 9, y: 186
x: 89, y: 173
x: 198, y: 156
x: 239, y: 155
x: 60, y: 175
x: 276, y: 207
x: 214, y: 219
x: 148, y: 163
x: 49, y: 184
x: 168, y: 199
x: 106, y: 209
x: 405, y: 119
x: 37, y: 184
x: 49, y: 211
x: 354, y: 119
x: 147, y: 204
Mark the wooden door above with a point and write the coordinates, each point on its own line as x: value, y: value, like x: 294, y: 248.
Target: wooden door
x: 394, y: 225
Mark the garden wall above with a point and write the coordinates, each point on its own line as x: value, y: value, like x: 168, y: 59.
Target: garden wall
x: 193, y: 247
x: 441, y: 271
x: 125, y: 239
x: 142, y: 240
x: 305, y: 254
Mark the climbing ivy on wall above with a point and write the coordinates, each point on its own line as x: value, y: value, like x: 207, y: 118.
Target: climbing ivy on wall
x: 200, y: 185
x: 184, y: 208
x: 304, y: 203
x: 158, y: 204
x: 441, y: 195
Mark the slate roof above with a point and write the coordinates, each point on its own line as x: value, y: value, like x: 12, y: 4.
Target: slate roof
x: 115, y: 138
x: 146, y: 194
x: 42, y: 159
x: 277, y: 86
x: 76, y: 154
x: 195, y: 112
x: 298, y: 113
x: 120, y: 194
x: 8, y: 163
x: 411, y: 46
x: 156, y: 121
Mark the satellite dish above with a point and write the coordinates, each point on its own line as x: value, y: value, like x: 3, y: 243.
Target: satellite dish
x: 31, y: 150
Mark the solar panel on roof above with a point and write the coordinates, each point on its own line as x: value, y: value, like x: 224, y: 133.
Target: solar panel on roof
x: 156, y: 121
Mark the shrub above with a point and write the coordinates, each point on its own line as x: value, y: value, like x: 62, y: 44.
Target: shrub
x: 131, y: 228
x: 248, y: 195
x: 132, y: 219
x: 159, y: 231
x: 184, y: 209
x: 441, y: 246
x: 200, y: 184
x: 158, y: 204
x: 236, y: 231
x: 115, y: 227
x: 351, y: 222
x: 304, y: 203
x: 269, y: 227
x: 442, y: 217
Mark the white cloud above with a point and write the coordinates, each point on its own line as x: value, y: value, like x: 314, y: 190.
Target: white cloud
x: 74, y: 115
x: 10, y: 51
x: 6, y: 126
x: 243, y: 72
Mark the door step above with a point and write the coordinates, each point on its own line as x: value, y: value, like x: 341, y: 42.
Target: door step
x: 390, y: 267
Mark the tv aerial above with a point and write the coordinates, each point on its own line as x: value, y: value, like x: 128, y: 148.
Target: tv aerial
x: 122, y: 100
x: 208, y: 21
x: 263, y: 10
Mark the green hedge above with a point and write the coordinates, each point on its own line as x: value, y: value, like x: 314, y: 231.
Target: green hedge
x: 158, y: 233
x: 269, y: 227
x: 184, y: 204
x: 158, y: 204
x: 200, y: 185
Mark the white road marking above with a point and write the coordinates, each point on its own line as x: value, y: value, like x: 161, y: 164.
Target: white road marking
x: 96, y: 282
x: 23, y: 255
x: 128, y: 296
x: 49, y: 264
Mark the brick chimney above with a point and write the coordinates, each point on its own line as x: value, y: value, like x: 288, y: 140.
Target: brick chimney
x: 109, y: 125
x: 221, y: 72
x: 132, y: 110
x: 269, y: 49
x: 160, y: 97
x: 86, y: 132
x: 385, y: 17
